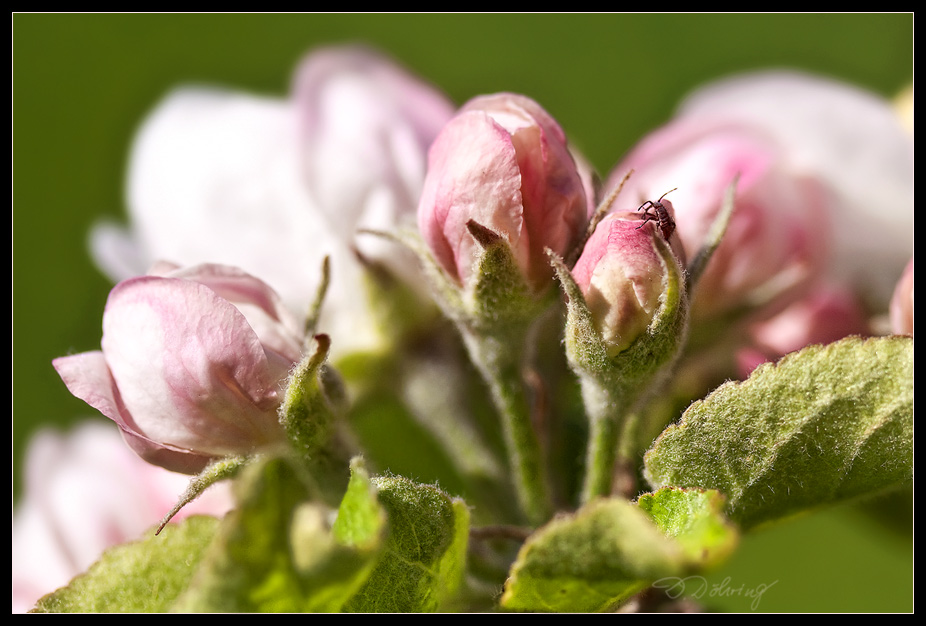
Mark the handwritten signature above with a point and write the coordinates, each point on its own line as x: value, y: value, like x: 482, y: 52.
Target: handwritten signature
x: 698, y: 587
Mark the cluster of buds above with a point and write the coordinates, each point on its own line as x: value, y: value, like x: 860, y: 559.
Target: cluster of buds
x: 204, y: 363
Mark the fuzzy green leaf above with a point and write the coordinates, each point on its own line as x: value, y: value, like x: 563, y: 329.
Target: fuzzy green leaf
x: 423, y: 562
x: 600, y: 556
x: 279, y: 552
x: 825, y: 424
x: 141, y: 577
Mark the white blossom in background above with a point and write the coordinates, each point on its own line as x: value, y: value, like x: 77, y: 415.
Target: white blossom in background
x: 274, y: 185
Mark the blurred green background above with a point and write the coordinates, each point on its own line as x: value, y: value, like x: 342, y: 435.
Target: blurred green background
x: 83, y: 83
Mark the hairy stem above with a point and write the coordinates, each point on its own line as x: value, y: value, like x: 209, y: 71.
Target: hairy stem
x: 499, y: 362
x: 607, y: 411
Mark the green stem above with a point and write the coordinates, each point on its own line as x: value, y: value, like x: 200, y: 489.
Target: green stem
x: 600, y: 458
x: 499, y: 362
x: 221, y: 469
x: 609, y: 438
x: 603, y: 433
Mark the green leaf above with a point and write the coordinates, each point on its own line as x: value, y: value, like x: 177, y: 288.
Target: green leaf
x: 425, y: 554
x: 823, y: 425
x: 590, y: 561
x: 695, y: 519
x: 280, y: 552
x: 141, y: 577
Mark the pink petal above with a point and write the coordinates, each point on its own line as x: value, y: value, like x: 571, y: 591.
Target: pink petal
x: 87, y: 377
x: 273, y: 323
x: 473, y: 174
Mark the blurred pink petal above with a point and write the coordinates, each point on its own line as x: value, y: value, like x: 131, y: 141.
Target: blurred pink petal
x: 776, y: 242
x: 85, y: 492
x: 852, y: 140
x: 827, y: 314
x: 901, y: 310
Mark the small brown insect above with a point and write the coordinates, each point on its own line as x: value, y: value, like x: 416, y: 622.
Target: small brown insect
x: 660, y: 216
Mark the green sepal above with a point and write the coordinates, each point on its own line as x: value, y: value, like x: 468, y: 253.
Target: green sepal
x: 221, y: 469
x: 315, y: 307
x: 500, y: 296
x: 307, y: 411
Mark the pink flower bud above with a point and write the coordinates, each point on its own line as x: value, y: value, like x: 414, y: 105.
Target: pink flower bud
x: 504, y: 163
x: 776, y: 241
x: 192, y: 365
x: 901, y: 310
x: 621, y: 275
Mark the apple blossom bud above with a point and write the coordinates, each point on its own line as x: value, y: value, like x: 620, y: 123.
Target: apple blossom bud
x: 902, y: 303
x: 504, y: 164
x: 192, y: 365
x: 776, y: 241
x: 622, y: 276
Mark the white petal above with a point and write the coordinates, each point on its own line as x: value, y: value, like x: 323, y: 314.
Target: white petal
x: 214, y: 178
